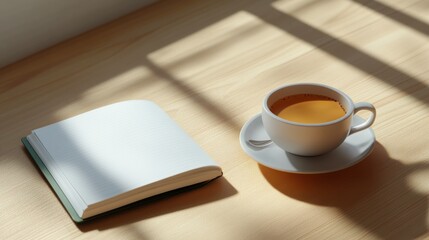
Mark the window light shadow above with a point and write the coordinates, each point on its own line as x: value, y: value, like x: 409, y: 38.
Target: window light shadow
x: 209, y: 106
x: 344, y: 52
x: 121, y: 54
x: 396, y: 15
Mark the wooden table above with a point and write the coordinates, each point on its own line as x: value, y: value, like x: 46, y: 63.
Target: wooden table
x: 209, y: 64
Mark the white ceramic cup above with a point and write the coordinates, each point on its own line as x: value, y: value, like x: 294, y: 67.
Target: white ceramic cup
x: 312, y: 139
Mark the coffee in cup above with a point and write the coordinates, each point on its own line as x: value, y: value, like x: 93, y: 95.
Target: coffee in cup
x: 308, y: 108
x: 310, y: 119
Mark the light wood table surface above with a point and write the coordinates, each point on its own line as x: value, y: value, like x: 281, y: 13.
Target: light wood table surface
x: 209, y: 65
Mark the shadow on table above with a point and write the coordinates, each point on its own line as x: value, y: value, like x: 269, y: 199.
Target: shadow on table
x: 162, y: 204
x: 145, y: 209
x: 372, y: 194
x: 346, y: 52
x: 396, y: 15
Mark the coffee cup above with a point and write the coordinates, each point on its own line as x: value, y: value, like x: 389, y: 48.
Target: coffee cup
x: 310, y: 119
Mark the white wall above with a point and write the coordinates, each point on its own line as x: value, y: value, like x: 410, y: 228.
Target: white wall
x: 28, y: 26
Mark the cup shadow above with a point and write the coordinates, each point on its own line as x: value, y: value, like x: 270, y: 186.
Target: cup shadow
x: 371, y: 194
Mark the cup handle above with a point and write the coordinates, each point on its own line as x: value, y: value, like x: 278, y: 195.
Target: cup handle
x: 363, y: 106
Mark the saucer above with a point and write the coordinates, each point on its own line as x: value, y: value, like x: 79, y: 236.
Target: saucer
x: 355, y: 148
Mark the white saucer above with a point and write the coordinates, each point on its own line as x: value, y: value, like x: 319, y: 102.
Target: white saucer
x: 355, y: 148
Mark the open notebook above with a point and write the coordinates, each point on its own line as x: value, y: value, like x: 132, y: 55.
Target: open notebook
x: 116, y: 155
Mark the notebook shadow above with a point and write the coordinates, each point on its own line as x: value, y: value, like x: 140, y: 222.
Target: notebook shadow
x: 169, y: 202
x: 370, y: 194
x: 159, y: 205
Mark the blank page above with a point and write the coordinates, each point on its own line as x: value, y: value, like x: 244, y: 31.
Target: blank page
x: 117, y: 148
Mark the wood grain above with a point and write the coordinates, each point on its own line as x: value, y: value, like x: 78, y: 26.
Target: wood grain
x: 209, y: 64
